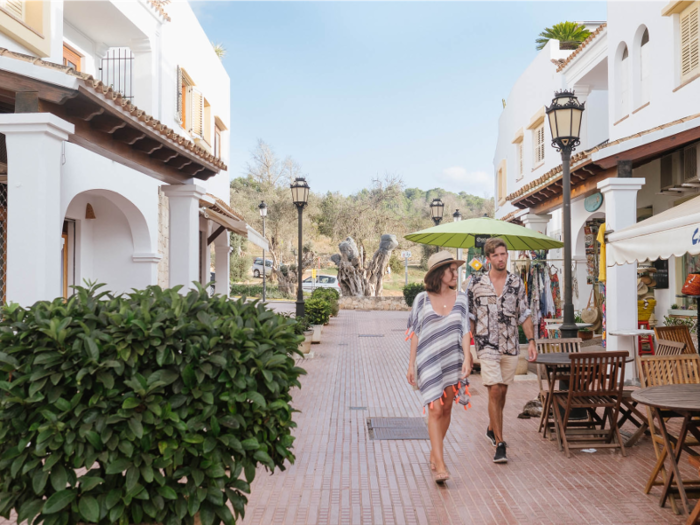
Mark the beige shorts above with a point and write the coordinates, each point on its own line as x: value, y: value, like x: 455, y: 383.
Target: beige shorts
x: 501, y: 372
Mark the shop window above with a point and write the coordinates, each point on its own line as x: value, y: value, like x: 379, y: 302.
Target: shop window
x: 71, y: 58
x: 690, y: 42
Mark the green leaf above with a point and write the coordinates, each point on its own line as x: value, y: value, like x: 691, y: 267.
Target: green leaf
x: 146, y: 473
x: 209, y: 445
x: 136, y: 427
x: 116, y: 512
x: 58, y: 501
x: 256, y: 398
x: 192, y: 506
x: 89, y: 509
x: 132, y: 478
x: 167, y: 492
x: 29, y: 510
x: 194, y: 438
x: 92, y: 350
x: 216, y: 471
x: 206, y: 514
x: 263, y: 457
x: 118, y: 466
x: 94, y: 439
x: 250, y: 444
x: 113, y: 497
x: 87, y: 483
x: 225, y: 514
x: 39, y: 481
x: 59, y: 478
x: 198, y: 477
x: 131, y: 402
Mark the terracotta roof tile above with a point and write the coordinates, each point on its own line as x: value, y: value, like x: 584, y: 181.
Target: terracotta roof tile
x: 125, y: 104
x: 583, y: 45
x: 548, y: 177
x: 158, y: 6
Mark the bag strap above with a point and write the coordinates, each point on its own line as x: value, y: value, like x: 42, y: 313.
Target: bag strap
x: 589, y: 299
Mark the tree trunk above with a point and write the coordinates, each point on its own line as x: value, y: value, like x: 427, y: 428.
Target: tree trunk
x: 353, y: 279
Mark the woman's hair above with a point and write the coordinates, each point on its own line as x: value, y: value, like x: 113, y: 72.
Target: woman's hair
x: 433, y: 280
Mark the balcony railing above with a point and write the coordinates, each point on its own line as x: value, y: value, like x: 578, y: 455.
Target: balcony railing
x: 116, y: 70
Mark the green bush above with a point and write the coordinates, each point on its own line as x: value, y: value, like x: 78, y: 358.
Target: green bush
x: 165, y: 399
x: 318, y: 310
x: 396, y: 264
x: 330, y: 295
x: 411, y: 290
x: 301, y: 324
x: 240, y: 262
x: 255, y: 290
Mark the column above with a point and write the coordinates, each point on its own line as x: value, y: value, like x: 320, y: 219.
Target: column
x: 34, y: 148
x: 621, y: 282
x: 184, y: 234
x: 222, y: 261
x: 536, y: 222
x: 146, y: 77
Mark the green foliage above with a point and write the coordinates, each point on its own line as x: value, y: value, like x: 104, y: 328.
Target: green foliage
x: 240, y: 262
x: 410, y: 292
x: 318, y: 310
x: 169, y: 401
x: 426, y: 251
x: 396, y: 264
x: 255, y: 290
x: 330, y: 295
x: 569, y: 34
x: 681, y: 321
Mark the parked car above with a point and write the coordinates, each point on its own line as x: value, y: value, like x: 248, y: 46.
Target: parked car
x: 322, y: 281
x: 258, y: 267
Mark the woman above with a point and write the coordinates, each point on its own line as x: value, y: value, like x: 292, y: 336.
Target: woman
x: 440, y: 359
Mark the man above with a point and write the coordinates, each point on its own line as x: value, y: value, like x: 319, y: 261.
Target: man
x: 498, y: 303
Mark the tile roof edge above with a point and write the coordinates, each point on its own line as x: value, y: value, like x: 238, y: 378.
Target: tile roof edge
x: 583, y: 45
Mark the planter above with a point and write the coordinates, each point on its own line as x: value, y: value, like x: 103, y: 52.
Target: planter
x: 585, y: 335
x: 316, y: 337
x: 521, y: 369
x: 305, y: 347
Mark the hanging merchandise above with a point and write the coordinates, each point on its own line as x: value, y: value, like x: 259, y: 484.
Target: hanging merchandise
x: 590, y: 230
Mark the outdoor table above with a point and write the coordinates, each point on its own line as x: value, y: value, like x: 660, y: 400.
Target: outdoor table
x: 580, y: 326
x: 683, y: 400
x: 557, y: 368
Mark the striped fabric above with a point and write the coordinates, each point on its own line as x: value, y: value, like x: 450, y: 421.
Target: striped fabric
x: 439, y: 356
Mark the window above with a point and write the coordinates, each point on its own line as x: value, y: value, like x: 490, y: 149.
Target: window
x: 191, y: 106
x: 502, y: 183
x: 217, y: 142
x: 14, y: 7
x: 644, y: 68
x: 690, y: 43
x: 206, y: 122
x: 623, y: 85
x: 520, y: 161
x: 538, y: 141
x: 71, y: 58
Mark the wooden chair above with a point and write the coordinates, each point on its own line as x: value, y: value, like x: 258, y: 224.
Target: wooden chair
x: 680, y: 334
x: 665, y: 347
x: 596, y: 382
x: 695, y: 515
x: 667, y: 370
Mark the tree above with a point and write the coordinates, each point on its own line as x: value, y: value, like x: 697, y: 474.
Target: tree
x: 219, y: 49
x: 356, y: 279
x: 569, y: 34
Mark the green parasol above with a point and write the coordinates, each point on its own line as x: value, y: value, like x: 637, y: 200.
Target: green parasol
x: 461, y: 234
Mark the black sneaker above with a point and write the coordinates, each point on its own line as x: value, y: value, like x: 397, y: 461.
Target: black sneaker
x: 491, y: 436
x: 500, y: 456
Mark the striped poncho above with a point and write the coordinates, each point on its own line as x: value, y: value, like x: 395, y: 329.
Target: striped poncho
x: 439, y: 356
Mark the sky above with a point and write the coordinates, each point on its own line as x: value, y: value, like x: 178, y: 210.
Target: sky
x: 356, y: 90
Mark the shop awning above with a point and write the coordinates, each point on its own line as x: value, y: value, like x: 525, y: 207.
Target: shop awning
x: 218, y: 211
x: 673, y: 232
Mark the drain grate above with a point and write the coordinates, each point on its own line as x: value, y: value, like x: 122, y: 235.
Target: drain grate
x: 357, y: 408
x: 371, y: 335
x: 390, y: 428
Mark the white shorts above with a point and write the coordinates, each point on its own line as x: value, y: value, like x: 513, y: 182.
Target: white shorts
x: 499, y: 372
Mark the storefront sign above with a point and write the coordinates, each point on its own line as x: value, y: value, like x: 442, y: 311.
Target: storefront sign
x: 480, y: 240
x: 593, y: 202
x: 661, y: 275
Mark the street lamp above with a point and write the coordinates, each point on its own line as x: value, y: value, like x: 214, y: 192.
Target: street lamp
x: 300, y: 197
x: 437, y: 207
x: 565, y: 123
x: 456, y: 217
x: 263, y: 213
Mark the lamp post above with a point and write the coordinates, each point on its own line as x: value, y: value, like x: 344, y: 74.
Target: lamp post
x: 456, y: 217
x: 300, y: 197
x: 437, y: 208
x: 263, y: 213
x: 565, y: 123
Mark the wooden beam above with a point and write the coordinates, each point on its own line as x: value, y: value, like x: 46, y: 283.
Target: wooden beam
x: 148, y: 146
x: 128, y: 135
x: 13, y: 82
x: 214, y: 235
x: 192, y: 169
x: 84, y: 110
x: 588, y: 187
x: 164, y: 154
x: 107, y: 124
x: 27, y: 102
x: 179, y: 162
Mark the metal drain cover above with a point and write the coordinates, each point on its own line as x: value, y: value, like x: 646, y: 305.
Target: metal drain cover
x: 358, y: 408
x: 390, y: 428
x: 371, y: 335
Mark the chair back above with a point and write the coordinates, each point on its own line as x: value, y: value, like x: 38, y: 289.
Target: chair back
x: 597, y: 374
x: 680, y: 334
x: 550, y: 346
x: 664, y: 347
x: 668, y: 370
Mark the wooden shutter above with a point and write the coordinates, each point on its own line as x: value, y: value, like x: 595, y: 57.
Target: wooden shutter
x: 520, y: 159
x: 539, y: 144
x: 15, y: 7
x: 178, y: 110
x: 196, y: 111
x: 690, y: 43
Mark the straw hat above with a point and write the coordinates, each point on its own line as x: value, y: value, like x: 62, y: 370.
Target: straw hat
x: 645, y: 279
x: 440, y: 259
x: 642, y: 288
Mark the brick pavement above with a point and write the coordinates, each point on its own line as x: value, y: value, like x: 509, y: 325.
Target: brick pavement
x: 341, y: 477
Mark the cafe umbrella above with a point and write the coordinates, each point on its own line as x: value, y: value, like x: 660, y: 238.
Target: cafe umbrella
x: 472, y: 233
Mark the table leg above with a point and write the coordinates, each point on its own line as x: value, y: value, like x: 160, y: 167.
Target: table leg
x: 673, y: 456
x: 544, y: 420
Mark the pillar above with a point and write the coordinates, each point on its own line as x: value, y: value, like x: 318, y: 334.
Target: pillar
x: 146, y: 77
x: 621, y: 282
x: 222, y: 261
x: 34, y: 148
x: 536, y: 222
x: 184, y: 234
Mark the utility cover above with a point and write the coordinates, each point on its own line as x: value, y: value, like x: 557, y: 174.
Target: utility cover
x: 393, y: 428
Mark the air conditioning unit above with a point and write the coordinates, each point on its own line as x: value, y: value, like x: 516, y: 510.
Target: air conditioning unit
x: 671, y: 179
x: 691, y: 161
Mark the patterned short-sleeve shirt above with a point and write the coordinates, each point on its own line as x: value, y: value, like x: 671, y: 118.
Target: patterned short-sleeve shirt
x: 497, y: 318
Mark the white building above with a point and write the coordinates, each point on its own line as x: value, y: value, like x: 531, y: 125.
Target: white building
x: 113, y: 148
x: 639, y: 76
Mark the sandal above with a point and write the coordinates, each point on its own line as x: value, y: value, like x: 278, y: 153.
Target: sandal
x: 441, y: 477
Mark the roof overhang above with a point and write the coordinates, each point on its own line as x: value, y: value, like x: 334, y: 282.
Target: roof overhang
x: 217, y: 211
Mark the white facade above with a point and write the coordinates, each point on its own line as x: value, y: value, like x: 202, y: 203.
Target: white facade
x: 642, y: 95
x: 123, y: 220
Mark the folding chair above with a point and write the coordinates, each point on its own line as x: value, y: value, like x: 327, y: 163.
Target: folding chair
x: 680, y: 334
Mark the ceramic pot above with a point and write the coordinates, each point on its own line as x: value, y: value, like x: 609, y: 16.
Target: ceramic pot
x: 585, y: 335
x: 305, y: 347
x: 316, y: 337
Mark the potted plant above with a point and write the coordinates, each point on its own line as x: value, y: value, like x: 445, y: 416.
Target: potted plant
x: 330, y: 295
x: 152, y: 407
x: 584, y: 333
x: 303, y: 327
x: 318, y: 312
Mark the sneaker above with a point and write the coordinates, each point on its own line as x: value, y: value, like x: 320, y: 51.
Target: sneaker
x: 500, y: 456
x: 491, y: 436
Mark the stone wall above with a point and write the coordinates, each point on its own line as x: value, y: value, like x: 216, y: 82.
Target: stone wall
x: 163, y: 240
x: 373, y: 303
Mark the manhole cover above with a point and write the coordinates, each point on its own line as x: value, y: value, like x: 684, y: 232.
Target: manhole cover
x: 386, y: 428
x: 371, y: 335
